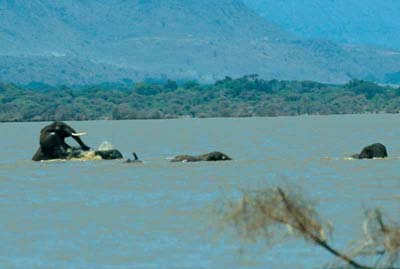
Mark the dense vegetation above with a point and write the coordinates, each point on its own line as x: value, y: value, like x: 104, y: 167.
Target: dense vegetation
x: 244, y: 97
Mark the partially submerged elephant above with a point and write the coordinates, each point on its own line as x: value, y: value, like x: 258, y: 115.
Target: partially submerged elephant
x: 53, y: 145
x: 135, y: 159
x: 376, y: 150
x: 209, y: 157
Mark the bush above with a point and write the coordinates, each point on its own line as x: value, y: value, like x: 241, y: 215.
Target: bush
x: 242, y: 97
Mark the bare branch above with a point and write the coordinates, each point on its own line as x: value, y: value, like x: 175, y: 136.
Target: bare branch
x: 260, y: 213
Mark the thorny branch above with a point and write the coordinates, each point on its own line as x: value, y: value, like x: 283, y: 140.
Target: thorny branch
x: 260, y: 212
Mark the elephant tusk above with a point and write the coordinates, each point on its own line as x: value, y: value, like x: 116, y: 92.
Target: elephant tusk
x: 78, y: 134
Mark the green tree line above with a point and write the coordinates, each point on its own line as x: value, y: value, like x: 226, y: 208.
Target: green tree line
x: 247, y: 96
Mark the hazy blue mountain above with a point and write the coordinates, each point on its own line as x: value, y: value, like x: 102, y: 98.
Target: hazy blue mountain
x: 72, y: 41
x: 368, y: 22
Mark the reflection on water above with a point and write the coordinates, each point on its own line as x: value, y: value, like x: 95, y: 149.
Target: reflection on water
x: 106, y: 214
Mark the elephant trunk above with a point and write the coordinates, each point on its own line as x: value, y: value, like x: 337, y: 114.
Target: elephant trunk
x: 76, y: 136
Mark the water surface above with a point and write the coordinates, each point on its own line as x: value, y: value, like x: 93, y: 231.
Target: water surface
x: 106, y: 214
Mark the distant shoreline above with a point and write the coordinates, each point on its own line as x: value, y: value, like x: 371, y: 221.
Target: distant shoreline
x: 244, y: 97
x: 210, y: 118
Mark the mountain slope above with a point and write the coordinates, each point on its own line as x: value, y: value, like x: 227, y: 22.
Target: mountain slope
x: 367, y: 22
x: 43, y: 25
x: 180, y: 39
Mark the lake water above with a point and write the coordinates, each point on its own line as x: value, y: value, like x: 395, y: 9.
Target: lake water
x: 106, y: 214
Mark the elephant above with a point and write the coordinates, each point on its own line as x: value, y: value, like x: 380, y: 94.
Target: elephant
x: 78, y: 153
x: 53, y: 145
x: 209, y: 157
x: 376, y: 150
x: 111, y: 154
x: 135, y: 159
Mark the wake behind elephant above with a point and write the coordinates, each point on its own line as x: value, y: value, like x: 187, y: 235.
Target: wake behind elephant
x: 53, y: 146
x: 209, y: 157
x: 376, y: 150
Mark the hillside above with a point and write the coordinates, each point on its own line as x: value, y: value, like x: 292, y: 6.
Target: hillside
x: 367, y: 22
x: 180, y: 39
x: 59, y: 70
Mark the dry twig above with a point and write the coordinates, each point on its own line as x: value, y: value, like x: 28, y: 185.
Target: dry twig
x: 260, y: 213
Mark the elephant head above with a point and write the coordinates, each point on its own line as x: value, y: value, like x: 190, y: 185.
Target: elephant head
x: 52, y: 141
x: 376, y: 150
x: 209, y: 157
x: 54, y: 135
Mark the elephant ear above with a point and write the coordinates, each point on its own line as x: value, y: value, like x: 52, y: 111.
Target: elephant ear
x: 49, y: 128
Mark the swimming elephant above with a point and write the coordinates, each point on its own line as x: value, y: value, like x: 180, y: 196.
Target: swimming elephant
x: 53, y: 145
x: 78, y: 153
x: 111, y: 154
x: 135, y: 159
x: 209, y: 157
x: 52, y: 142
x: 376, y: 150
